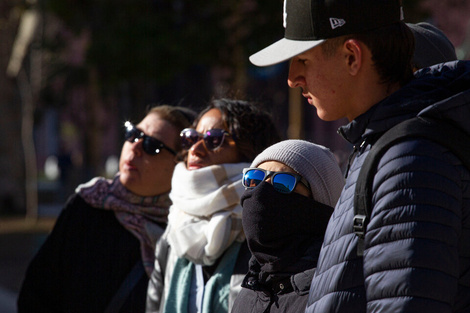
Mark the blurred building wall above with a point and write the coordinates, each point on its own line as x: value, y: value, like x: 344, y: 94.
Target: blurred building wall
x: 12, y: 192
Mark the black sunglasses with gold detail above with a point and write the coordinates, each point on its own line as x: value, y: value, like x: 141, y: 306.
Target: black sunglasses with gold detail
x: 150, y: 145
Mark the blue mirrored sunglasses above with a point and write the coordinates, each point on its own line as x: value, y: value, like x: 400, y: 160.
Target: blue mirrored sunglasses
x: 283, y: 182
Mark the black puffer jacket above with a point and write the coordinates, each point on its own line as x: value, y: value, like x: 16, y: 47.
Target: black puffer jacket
x: 417, y: 245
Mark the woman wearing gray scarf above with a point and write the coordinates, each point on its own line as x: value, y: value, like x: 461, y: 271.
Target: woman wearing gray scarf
x: 100, y: 253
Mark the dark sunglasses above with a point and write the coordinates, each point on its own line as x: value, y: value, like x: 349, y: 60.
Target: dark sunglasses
x: 150, y: 145
x: 283, y: 182
x: 213, y: 139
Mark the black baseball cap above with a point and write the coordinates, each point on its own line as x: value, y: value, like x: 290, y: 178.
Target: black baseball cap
x: 308, y: 23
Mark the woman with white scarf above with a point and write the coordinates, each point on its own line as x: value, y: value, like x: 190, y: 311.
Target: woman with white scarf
x: 202, y: 257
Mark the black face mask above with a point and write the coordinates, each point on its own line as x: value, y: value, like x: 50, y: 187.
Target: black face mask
x: 280, y: 227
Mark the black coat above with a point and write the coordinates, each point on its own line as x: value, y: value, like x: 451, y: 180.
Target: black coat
x: 280, y: 294
x: 82, y: 264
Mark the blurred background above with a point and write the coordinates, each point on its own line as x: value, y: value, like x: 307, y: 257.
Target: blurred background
x: 72, y: 71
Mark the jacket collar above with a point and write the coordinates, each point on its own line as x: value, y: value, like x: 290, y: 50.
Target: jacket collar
x: 433, y: 86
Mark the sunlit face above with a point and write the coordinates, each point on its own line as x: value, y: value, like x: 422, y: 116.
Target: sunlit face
x: 199, y: 156
x: 276, y: 166
x: 144, y: 174
x: 322, y: 81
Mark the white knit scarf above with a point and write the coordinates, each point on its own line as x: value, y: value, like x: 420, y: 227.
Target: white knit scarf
x: 206, y: 215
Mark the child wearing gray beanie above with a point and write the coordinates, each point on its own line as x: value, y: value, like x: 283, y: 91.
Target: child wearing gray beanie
x: 314, y: 162
x: 284, y: 227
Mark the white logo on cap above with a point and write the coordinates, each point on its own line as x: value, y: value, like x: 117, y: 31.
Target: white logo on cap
x: 336, y: 22
x: 284, y: 15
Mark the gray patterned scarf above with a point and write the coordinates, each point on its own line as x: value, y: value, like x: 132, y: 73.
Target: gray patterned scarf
x: 137, y: 214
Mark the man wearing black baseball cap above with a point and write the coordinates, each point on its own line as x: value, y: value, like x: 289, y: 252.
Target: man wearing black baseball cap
x: 353, y: 59
x: 308, y: 23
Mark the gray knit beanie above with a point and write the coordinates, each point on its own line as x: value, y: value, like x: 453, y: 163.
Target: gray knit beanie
x: 313, y: 162
x: 431, y: 45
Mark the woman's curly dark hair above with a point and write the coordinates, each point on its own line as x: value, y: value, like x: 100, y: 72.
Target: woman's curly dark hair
x: 252, y: 129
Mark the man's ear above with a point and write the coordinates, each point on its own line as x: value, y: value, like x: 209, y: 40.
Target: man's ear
x: 353, y: 52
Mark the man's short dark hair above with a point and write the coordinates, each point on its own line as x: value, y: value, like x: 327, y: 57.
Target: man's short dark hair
x: 392, y: 49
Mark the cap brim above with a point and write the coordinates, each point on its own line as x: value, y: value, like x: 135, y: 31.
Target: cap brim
x: 281, y: 51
